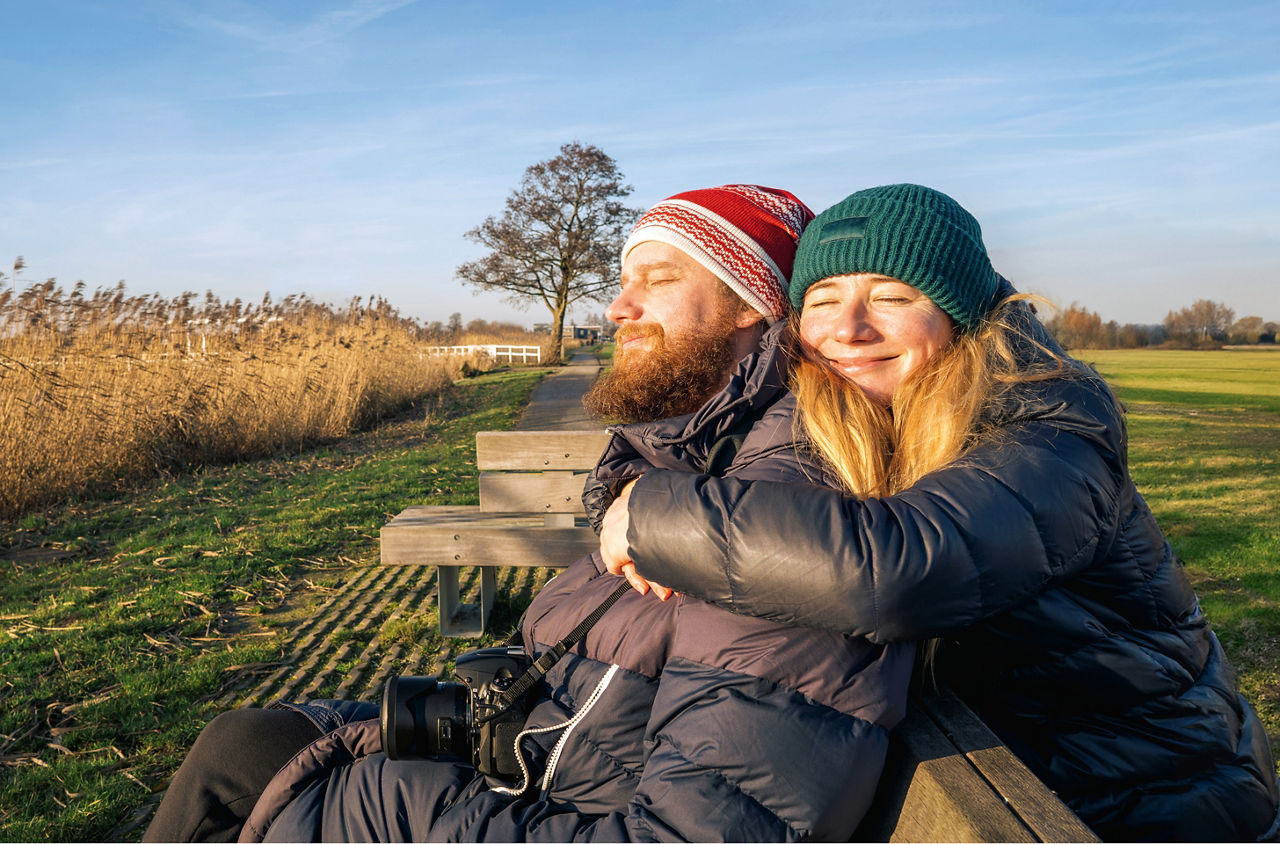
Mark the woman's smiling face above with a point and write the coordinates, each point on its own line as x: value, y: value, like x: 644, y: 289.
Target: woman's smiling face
x: 873, y: 330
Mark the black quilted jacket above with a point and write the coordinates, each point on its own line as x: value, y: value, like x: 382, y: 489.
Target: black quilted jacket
x: 1066, y: 620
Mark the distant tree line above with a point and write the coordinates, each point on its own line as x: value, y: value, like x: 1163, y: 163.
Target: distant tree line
x: 1203, y: 325
x: 447, y: 333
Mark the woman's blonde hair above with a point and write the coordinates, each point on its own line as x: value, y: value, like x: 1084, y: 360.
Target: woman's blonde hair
x: 936, y: 414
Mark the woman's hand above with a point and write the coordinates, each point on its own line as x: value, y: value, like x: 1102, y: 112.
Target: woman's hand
x: 615, y: 551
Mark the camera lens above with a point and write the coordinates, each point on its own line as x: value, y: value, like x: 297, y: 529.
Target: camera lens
x: 422, y: 717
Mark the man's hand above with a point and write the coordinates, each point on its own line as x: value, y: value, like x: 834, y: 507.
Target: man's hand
x: 616, y: 552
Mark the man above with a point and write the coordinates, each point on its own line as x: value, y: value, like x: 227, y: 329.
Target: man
x: 703, y: 275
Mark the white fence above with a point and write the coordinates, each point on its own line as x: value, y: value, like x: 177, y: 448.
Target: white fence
x: 508, y: 354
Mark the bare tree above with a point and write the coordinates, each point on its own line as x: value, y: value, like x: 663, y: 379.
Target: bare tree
x: 1203, y: 322
x: 558, y: 239
x: 1246, y: 330
x: 1076, y: 328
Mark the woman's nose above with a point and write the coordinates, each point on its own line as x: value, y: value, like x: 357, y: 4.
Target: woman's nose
x: 854, y: 325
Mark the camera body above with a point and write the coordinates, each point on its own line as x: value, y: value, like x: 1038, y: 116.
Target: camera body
x: 424, y: 718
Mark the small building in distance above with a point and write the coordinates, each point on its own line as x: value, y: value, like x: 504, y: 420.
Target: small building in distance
x: 572, y: 331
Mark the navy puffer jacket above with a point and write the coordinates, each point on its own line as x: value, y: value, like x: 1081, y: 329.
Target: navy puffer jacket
x: 669, y: 721
x: 1066, y: 620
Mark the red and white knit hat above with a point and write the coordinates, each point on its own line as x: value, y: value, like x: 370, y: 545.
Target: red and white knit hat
x: 745, y: 235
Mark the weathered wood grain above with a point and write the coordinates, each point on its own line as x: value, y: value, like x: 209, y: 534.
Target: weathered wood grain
x: 532, y: 492
x: 948, y: 778
x: 1047, y: 817
x: 528, y: 516
x: 536, y: 451
x: 476, y: 538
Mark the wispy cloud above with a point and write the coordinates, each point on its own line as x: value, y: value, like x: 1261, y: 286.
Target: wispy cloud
x: 273, y: 35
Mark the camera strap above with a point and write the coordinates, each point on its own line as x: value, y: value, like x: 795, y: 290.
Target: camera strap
x: 544, y: 663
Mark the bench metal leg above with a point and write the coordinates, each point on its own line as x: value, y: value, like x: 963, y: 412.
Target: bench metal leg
x: 459, y: 619
x: 448, y: 599
x: 488, y: 590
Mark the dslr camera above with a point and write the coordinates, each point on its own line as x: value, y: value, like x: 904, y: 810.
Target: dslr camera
x: 424, y: 718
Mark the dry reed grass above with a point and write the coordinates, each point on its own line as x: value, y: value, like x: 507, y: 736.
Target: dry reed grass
x: 97, y: 391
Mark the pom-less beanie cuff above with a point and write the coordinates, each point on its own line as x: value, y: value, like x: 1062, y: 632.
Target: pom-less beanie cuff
x: 912, y: 233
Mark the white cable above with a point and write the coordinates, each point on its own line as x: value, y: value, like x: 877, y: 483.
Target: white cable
x: 567, y: 726
x: 554, y: 759
x: 524, y: 769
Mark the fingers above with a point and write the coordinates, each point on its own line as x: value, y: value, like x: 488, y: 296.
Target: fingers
x: 613, y: 555
x: 633, y: 577
x: 643, y: 586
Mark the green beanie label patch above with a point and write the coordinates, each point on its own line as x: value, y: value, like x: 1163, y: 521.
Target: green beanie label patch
x: 845, y: 228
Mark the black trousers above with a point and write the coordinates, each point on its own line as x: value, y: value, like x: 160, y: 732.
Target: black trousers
x: 233, y: 759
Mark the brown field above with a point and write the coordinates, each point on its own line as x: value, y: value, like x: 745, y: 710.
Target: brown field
x: 99, y: 391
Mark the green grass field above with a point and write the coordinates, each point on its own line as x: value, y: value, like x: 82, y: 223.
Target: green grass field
x: 1204, y: 449
x: 122, y: 620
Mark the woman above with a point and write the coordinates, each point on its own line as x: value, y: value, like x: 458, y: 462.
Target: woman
x: 987, y: 505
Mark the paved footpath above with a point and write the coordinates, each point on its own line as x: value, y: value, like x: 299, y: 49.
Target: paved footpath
x: 331, y: 659
x: 556, y: 403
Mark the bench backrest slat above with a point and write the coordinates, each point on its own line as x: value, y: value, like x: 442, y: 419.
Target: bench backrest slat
x: 530, y: 492
x: 537, y: 451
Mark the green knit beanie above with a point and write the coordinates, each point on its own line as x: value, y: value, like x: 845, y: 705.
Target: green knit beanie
x: 908, y: 232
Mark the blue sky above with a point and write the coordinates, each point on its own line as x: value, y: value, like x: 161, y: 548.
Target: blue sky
x: 1122, y: 155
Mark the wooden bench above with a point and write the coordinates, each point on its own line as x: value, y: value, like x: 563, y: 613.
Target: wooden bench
x: 948, y: 778
x: 530, y: 514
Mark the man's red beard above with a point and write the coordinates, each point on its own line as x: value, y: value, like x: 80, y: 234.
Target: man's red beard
x: 666, y: 376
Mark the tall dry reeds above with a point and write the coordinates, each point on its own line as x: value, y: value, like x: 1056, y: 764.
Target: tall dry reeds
x: 100, y: 390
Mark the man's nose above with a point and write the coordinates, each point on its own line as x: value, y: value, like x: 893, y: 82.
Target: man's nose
x: 623, y: 307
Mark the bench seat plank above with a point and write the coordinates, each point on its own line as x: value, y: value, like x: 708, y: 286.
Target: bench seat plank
x: 1037, y: 806
x: 948, y: 778
x: 929, y: 792
x: 450, y: 537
